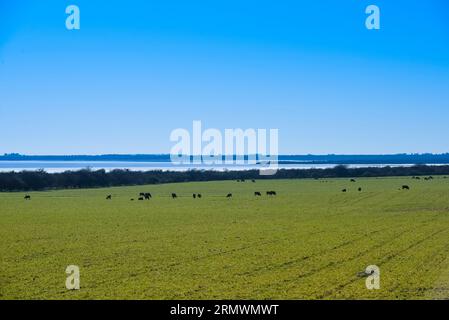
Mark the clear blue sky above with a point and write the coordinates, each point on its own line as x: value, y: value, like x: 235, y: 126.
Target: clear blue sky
x: 139, y: 69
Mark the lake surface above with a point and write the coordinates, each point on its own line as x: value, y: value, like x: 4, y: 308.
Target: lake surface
x: 61, y: 166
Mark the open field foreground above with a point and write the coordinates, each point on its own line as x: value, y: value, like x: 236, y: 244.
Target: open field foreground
x: 309, y: 241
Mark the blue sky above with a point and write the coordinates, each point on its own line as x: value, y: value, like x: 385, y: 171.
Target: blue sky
x: 136, y: 70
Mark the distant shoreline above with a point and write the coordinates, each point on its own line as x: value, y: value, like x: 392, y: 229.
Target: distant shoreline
x: 387, y: 159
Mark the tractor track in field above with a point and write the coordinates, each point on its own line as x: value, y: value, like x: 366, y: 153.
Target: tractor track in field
x: 300, y: 259
x: 221, y: 253
x: 442, y: 262
x: 307, y: 257
x: 339, y: 246
x: 440, y: 289
x: 387, y: 259
x: 262, y: 243
x: 330, y: 264
x: 333, y: 263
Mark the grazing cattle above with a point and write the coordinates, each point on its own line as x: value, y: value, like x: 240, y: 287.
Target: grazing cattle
x: 352, y: 180
x: 238, y: 180
x: 360, y: 189
x: 132, y: 199
x: 253, y: 180
x: 271, y: 193
x: 174, y: 196
x: 199, y: 195
x: 147, y: 196
x: 140, y: 199
x: 344, y: 190
x: 229, y: 195
x: 194, y: 196
x: 141, y: 194
x: 364, y: 274
x: 405, y: 187
x: 257, y: 194
x: 27, y: 197
x: 109, y: 197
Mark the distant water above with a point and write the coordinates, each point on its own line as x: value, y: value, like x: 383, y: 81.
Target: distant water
x: 61, y: 166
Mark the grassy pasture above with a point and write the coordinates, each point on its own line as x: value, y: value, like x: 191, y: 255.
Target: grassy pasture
x: 308, y: 242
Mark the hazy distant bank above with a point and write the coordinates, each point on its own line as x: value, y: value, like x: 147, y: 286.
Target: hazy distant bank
x: 147, y: 162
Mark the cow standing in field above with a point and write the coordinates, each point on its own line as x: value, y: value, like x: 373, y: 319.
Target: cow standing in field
x: 229, y: 195
x: 405, y: 187
x: 194, y: 196
x: 352, y: 180
x: 271, y: 193
x: 344, y: 190
x: 140, y: 199
x: 258, y: 194
x: 27, y: 197
x: 147, y: 196
x: 174, y: 196
x: 360, y: 189
x: 199, y: 195
x: 109, y: 197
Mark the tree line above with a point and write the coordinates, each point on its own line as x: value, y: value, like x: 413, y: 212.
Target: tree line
x: 87, y: 178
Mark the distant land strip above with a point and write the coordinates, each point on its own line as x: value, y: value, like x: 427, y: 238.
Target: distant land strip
x: 403, y: 158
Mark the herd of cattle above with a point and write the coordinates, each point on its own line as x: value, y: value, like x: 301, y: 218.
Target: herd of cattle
x: 148, y: 196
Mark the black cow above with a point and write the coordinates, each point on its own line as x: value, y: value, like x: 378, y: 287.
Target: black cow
x: 140, y: 199
x: 271, y: 193
x: 109, y: 197
x: 352, y: 180
x: 147, y: 196
x: 194, y: 196
x: 27, y: 197
x: 199, y: 195
x: 173, y: 195
x: 229, y: 195
x: 257, y: 194
x: 344, y: 190
x: 360, y: 189
x: 405, y: 187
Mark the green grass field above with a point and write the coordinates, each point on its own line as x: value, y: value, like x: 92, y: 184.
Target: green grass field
x: 308, y: 242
